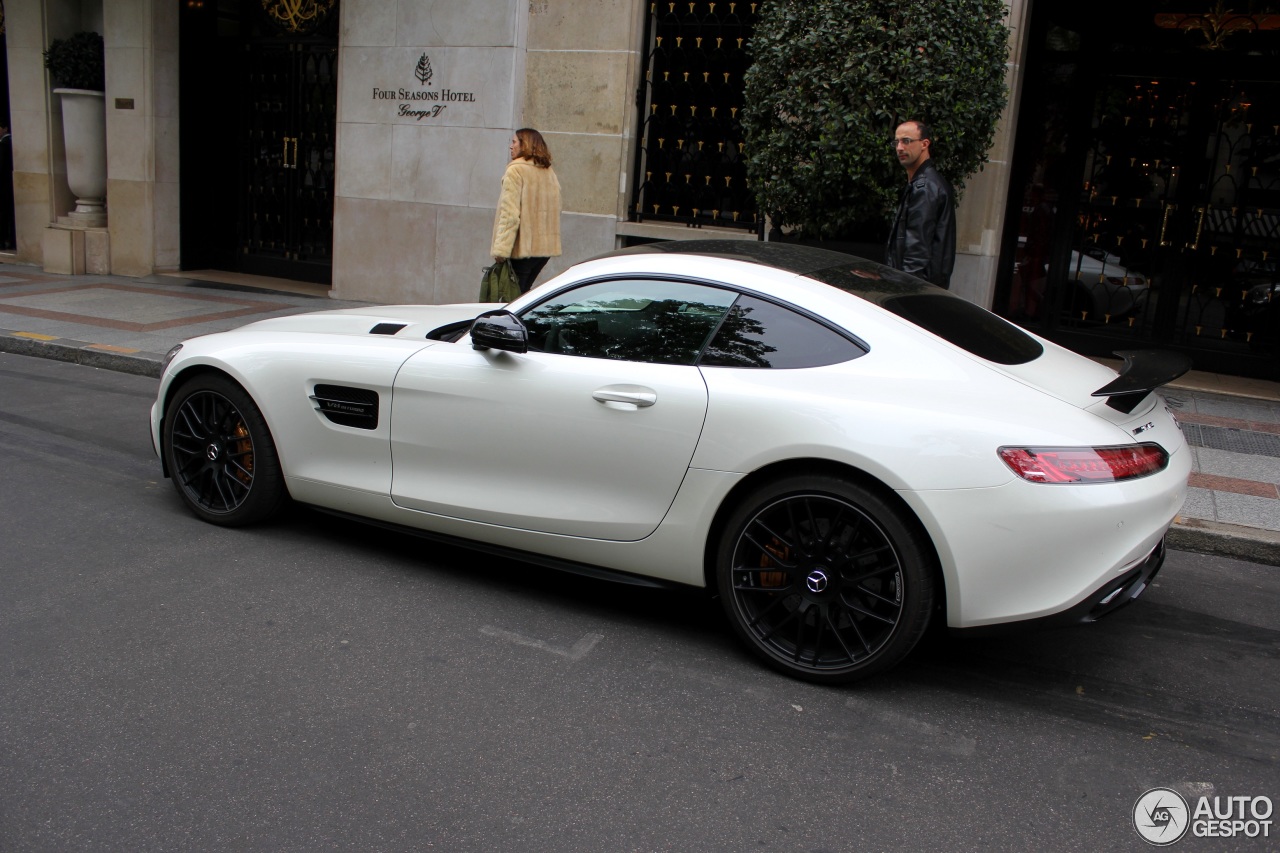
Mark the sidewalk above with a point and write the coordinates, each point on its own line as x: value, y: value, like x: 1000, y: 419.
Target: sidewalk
x: 128, y: 324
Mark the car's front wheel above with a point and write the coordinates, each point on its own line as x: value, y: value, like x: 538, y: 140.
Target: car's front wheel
x: 824, y: 579
x: 220, y: 453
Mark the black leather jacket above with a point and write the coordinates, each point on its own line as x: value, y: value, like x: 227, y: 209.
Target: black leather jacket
x: 923, y: 238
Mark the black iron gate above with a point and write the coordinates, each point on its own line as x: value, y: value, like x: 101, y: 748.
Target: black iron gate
x: 258, y: 88
x: 1150, y: 201
x: 690, y: 167
x: 286, y: 198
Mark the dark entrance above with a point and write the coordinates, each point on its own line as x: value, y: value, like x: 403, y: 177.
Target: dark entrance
x: 1145, y: 206
x: 690, y: 165
x: 259, y: 108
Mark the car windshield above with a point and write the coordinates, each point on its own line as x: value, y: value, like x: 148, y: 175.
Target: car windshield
x: 937, y: 311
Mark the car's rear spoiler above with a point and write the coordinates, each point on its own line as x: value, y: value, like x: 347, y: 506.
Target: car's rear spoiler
x: 1143, y: 371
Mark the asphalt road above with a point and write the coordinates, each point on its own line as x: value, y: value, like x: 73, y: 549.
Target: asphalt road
x: 319, y: 685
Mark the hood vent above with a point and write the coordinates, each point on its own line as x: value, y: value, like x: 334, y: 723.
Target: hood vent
x: 387, y: 328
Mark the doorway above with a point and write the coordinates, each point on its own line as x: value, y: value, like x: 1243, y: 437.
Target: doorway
x: 1145, y: 210
x: 259, y: 96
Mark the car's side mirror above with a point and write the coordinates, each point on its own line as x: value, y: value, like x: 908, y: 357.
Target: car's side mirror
x: 499, y: 330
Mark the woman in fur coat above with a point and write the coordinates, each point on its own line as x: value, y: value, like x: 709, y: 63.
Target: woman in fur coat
x: 526, y: 229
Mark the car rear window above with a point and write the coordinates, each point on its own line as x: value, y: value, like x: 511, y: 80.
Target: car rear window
x: 967, y: 326
x: 938, y: 311
x: 757, y: 333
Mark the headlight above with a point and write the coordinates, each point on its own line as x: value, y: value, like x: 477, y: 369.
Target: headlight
x: 1262, y: 295
x: 168, y: 357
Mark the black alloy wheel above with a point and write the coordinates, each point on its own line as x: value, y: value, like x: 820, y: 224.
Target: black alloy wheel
x: 824, y: 579
x: 220, y: 453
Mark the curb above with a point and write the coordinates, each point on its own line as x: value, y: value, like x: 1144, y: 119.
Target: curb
x: 136, y: 362
x: 1225, y: 540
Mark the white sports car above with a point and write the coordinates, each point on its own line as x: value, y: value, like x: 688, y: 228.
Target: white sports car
x: 840, y: 450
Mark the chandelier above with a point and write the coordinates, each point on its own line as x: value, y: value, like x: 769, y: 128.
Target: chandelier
x: 1217, y: 25
x: 298, y: 16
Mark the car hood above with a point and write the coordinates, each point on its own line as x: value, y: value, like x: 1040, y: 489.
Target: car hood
x: 415, y: 320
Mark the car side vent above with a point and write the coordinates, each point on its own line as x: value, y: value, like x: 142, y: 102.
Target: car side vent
x: 353, y: 407
x: 387, y: 328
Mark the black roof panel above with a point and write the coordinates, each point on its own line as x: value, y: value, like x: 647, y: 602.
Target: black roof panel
x: 931, y: 308
x: 790, y: 257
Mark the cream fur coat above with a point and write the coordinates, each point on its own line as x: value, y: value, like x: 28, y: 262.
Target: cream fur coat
x: 528, y: 221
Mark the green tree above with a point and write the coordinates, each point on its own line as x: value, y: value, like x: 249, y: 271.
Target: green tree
x: 832, y: 79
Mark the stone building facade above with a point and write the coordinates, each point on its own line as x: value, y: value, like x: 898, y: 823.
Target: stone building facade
x: 427, y: 94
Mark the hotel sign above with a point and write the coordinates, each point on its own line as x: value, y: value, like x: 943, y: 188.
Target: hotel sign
x: 420, y: 103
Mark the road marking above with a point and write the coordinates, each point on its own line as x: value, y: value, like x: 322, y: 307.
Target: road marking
x: 576, y: 652
x: 111, y: 348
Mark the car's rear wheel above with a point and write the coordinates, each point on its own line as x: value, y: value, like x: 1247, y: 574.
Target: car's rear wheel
x: 824, y: 579
x: 220, y: 453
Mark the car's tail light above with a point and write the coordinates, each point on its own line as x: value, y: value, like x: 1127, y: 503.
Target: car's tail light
x: 1084, y: 464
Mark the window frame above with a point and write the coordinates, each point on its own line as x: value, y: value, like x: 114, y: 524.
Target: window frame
x: 738, y: 292
x: 782, y: 305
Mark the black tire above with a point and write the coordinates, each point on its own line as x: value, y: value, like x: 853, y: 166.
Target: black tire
x: 824, y: 579
x: 220, y: 453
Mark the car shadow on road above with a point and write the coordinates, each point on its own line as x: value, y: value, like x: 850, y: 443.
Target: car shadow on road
x: 1139, y: 671
x: 678, y: 608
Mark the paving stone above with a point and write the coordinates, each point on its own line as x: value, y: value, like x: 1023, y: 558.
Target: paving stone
x: 1199, y: 504
x: 1235, y: 407
x: 1247, y: 510
x: 1262, y: 469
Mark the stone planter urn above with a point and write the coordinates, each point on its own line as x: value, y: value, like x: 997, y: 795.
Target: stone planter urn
x: 84, y: 130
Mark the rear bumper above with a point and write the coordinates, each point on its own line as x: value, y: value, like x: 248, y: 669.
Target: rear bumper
x: 1105, y: 600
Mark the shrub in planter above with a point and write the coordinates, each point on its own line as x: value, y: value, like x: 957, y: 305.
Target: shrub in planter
x: 832, y: 79
x: 78, y: 71
x: 76, y: 62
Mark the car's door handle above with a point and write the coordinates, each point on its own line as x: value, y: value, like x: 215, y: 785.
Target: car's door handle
x: 635, y: 395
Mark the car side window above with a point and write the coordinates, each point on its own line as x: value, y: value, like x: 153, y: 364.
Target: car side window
x: 757, y: 333
x: 650, y: 320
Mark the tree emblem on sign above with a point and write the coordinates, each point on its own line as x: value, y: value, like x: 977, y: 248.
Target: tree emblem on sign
x: 423, y: 71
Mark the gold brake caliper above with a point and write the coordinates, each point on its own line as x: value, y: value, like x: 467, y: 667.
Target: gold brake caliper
x: 780, y: 552
x: 244, y: 447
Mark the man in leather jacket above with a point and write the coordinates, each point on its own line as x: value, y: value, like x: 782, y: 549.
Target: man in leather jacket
x: 923, y: 238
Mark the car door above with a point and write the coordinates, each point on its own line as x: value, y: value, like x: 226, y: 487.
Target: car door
x: 587, y: 434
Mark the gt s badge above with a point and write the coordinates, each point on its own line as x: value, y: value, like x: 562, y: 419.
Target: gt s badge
x: 1140, y: 430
